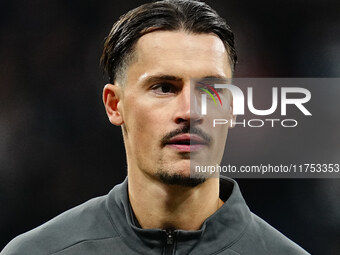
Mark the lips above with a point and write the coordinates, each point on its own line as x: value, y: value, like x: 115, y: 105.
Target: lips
x: 187, y: 143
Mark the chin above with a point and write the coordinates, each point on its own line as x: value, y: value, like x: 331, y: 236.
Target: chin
x: 182, y: 178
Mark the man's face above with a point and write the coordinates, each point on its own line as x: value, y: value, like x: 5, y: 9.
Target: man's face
x: 155, y: 102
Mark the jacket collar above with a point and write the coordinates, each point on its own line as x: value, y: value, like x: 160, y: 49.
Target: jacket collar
x: 218, y: 231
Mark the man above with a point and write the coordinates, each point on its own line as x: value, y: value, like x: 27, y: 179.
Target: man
x: 151, y: 55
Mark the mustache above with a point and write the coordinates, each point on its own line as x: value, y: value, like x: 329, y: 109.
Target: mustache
x: 186, y: 130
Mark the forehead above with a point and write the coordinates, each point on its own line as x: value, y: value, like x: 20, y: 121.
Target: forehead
x: 163, y: 40
x: 180, y: 54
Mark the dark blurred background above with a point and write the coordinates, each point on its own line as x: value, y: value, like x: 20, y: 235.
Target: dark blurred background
x: 57, y: 148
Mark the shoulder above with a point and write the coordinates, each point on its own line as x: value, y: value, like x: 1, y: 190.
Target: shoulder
x: 262, y: 237
x: 85, y: 222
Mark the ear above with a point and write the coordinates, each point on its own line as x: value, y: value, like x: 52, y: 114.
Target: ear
x: 112, y: 99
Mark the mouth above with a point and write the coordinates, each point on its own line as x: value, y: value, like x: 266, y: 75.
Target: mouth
x: 187, y: 143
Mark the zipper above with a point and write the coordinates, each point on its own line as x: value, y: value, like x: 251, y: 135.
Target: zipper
x: 169, y: 242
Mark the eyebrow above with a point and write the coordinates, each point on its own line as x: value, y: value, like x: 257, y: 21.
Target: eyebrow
x: 218, y: 78
x: 162, y: 78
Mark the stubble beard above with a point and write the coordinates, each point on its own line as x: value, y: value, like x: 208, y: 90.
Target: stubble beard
x: 179, y: 179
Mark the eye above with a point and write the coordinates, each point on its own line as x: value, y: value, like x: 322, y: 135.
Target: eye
x: 164, y: 89
x: 210, y: 89
x: 219, y: 90
x: 210, y: 86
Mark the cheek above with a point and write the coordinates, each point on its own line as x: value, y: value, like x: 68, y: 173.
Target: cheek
x: 141, y: 119
x: 136, y: 117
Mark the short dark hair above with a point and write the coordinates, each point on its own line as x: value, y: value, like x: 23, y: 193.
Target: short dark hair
x: 168, y: 15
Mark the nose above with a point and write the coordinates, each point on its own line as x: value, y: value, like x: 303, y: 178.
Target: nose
x: 187, y: 111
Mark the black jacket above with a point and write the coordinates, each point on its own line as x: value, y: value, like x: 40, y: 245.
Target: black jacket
x: 106, y: 225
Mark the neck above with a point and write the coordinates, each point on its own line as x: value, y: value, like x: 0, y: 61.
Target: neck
x: 159, y: 205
